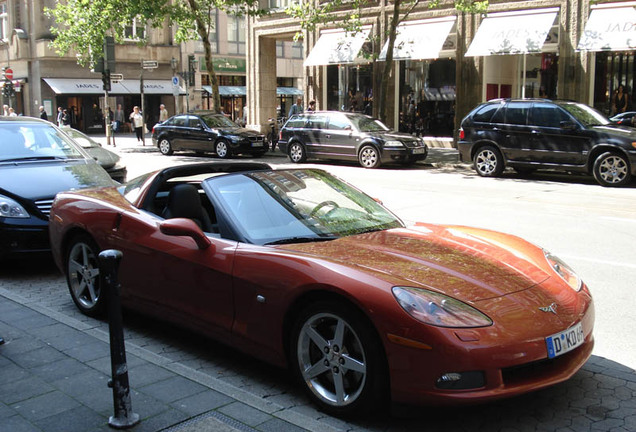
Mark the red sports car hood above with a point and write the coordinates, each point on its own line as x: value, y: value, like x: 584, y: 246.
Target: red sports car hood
x: 465, y: 263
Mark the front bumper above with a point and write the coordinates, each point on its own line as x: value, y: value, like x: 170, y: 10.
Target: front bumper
x: 22, y: 237
x: 401, y: 154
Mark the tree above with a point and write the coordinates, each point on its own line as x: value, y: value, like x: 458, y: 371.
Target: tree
x: 83, y: 24
x: 348, y: 14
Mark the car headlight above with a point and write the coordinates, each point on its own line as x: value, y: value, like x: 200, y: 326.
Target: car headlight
x: 10, y: 208
x: 564, y: 271
x: 393, y: 144
x: 235, y: 139
x: 437, y: 309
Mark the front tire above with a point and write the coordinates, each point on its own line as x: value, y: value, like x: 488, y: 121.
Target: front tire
x: 488, y: 162
x: 369, y: 157
x: 336, y: 354
x: 165, y: 147
x: 611, y: 169
x: 297, y: 153
x: 222, y: 149
x: 82, y: 276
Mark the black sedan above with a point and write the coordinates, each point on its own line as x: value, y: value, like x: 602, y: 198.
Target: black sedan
x: 207, y: 132
x: 37, y: 160
x: 624, y: 119
x: 110, y: 161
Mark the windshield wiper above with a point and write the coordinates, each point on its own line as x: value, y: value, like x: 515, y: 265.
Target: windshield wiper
x: 33, y: 158
x: 290, y: 240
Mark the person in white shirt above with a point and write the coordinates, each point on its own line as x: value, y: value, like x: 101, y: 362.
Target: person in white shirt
x: 137, y: 120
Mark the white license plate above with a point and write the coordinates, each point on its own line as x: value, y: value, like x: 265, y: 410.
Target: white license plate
x: 419, y: 150
x: 257, y: 144
x: 567, y: 340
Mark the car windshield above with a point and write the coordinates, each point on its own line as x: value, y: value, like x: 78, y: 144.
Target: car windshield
x: 291, y: 206
x: 368, y: 124
x: 218, y: 121
x: 585, y: 114
x: 27, y: 142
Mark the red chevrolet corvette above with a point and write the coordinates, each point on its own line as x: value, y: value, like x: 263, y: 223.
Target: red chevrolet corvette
x: 301, y: 269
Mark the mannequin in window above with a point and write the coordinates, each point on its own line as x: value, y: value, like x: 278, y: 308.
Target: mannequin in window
x: 620, y: 100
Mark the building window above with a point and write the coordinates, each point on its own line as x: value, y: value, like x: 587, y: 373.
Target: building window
x: 212, y: 34
x: 279, y: 4
x: 292, y: 50
x: 4, y: 21
x: 135, y: 31
x: 236, y: 35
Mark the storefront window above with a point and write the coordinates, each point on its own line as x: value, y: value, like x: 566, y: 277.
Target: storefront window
x: 614, y: 69
x: 430, y: 85
x: 4, y: 21
x: 350, y: 88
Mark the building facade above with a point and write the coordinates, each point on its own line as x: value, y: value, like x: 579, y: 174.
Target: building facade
x: 446, y: 61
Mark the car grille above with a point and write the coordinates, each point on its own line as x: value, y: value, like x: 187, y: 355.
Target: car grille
x: 537, y: 370
x: 44, y: 206
x: 256, y: 138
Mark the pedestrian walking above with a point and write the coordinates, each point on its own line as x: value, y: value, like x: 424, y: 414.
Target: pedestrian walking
x: 119, y: 119
x: 296, y: 108
x: 12, y: 112
x: 312, y: 106
x: 66, y: 119
x: 43, y: 114
x: 5, y: 111
x: 137, y: 121
x: 163, y: 113
x: 60, y: 113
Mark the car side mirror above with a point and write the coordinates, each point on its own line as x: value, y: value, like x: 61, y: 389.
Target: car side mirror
x: 182, y: 227
x: 568, y: 125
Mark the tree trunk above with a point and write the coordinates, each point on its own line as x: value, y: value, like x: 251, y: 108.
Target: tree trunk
x: 202, y: 30
x: 388, y: 62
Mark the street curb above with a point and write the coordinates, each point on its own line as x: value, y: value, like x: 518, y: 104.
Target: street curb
x: 229, y: 390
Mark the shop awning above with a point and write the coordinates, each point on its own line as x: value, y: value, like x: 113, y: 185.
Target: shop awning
x: 611, y: 27
x: 229, y: 91
x: 95, y: 86
x: 337, y: 47
x: 419, y: 40
x: 519, y: 32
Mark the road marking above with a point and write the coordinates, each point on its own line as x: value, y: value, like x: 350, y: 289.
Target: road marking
x: 598, y: 261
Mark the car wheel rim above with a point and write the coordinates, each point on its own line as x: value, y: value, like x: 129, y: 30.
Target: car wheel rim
x: 331, y: 359
x: 368, y: 157
x: 221, y: 149
x: 296, y: 153
x: 613, y: 169
x: 83, y: 274
x: 486, y: 162
x: 164, y: 146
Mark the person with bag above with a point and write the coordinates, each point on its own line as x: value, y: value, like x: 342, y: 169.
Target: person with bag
x: 137, y: 121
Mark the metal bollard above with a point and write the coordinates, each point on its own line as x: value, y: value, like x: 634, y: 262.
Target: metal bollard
x: 124, y: 418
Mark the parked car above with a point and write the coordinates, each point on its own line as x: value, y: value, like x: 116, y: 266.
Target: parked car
x: 110, y: 161
x: 530, y: 134
x: 37, y: 160
x: 303, y: 270
x: 624, y: 119
x: 347, y: 136
x: 207, y: 132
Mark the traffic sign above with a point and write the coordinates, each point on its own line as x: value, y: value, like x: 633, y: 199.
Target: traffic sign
x: 175, y: 81
x: 149, y: 64
x: 8, y: 73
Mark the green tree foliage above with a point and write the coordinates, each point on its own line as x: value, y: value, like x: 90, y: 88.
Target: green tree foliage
x: 81, y: 25
x: 347, y: 14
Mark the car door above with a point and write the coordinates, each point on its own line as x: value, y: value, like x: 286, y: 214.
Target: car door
x: 200, y: 139
x: 514, y: 132
x: 557, y: 138
x: 339, y: 138
x: 178, y: 132
x: 169, y: 276
x: 312, y: 134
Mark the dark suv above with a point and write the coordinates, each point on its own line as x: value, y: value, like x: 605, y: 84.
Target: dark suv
x: 347, y: 136
x: 529, y: 134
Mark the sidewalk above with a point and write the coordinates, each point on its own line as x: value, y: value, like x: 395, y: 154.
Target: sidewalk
x: 54, y: 372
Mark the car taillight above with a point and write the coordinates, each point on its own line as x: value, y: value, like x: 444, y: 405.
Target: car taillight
x: 462, y: 135
x: 280, y: 135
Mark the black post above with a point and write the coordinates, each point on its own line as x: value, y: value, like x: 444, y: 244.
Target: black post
x: 124, y: 417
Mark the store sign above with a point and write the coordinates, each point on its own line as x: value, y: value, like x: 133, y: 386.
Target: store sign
x: 225, y: 64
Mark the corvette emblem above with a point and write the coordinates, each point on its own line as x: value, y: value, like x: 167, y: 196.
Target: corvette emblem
x: 552, y: 308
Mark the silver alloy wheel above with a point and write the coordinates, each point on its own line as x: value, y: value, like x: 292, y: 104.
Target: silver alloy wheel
x: 331, y: 359
x: 165, y: 147
x: 613, y: 169
x: 296, y: 153
x: 369, y: 157
x: 486, y: 162
x: 83, y: 275
x: 221, y: 149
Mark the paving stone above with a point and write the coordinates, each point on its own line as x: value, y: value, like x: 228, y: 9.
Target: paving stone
x: 148, y: 373
x: 62, y: 368
x: 278, y: 425
x: 36, y: 357
x: 80, y: 419
x: 245, y: 414
x: 608, y: 424
x: 202, y: 402
x: 160, y: 421
x: 208, y: 424
x: 82, y: 383
x: 88, y: 352
x: 173, y: 389
x: 45, y: 405
x: 33, y: 322
x: 12, y: 372
x: 23, y: 389
x: 17, y: 423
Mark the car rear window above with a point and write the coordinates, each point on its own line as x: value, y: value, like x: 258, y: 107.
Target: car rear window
x: 485, y: 113
x: 295, y: 122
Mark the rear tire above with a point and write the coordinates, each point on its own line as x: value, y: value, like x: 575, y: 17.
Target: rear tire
x: 611, y: 169
x: 297, y: 153
x: 222, y: 149
x: 165, y: 147
x: 82, y: 276
x: 488, y: 162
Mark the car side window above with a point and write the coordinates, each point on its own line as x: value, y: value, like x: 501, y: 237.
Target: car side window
x: 316, y: 122
x: 295, y: 122
x: 485, y: 113
x: 546, y: 115
x: 180, y: 121
x: 517, y: 113
x: 195, y: 122
x: 338, y: 122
